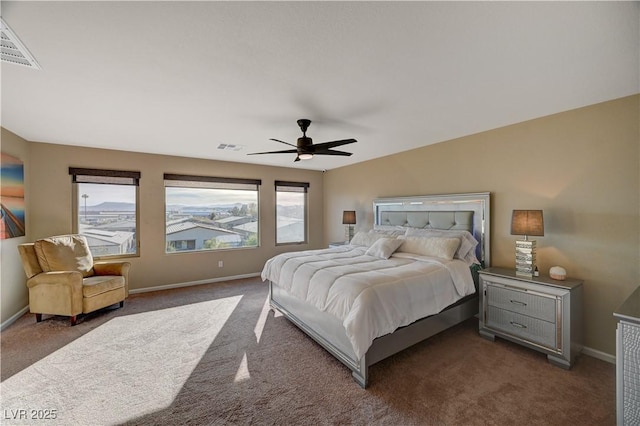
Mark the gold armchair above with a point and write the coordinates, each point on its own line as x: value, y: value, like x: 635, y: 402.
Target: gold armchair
x: 63, y: 280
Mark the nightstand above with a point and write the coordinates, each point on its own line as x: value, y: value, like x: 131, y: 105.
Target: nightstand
x: 538, y: 312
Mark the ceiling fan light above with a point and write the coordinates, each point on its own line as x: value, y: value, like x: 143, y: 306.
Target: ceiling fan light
x: 305, y: 156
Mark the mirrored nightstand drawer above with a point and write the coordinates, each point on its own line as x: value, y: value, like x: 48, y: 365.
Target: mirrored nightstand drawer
x: 522, y: 326
x: 522, y: 302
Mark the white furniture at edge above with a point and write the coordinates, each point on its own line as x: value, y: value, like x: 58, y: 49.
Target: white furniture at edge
x: 538, y: 312
x: 628, y: 361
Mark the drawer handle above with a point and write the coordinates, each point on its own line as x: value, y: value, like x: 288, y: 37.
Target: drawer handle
x: 517, y: 302
x: 517, y: 324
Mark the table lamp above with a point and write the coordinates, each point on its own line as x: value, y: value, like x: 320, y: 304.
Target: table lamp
x: 527, y: 223
x: 349, y: 219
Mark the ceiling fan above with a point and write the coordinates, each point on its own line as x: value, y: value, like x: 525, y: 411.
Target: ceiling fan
x: 306, y: 149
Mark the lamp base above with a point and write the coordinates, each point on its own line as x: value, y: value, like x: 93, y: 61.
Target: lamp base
x: 348, y: 233
x: 525, y: 258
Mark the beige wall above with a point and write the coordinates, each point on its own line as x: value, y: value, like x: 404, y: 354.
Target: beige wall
x: 14, y: 296
x: 581, y: 167
x: 49, y: 213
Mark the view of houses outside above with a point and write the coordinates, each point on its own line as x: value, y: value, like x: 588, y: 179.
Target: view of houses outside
x: 107, y: 218
x: 290, y: 217
x: 210, y: 219
x: 196, y: 218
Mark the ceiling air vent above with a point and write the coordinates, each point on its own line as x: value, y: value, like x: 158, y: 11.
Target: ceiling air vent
x: 13, y: 50
x: 230, y: 147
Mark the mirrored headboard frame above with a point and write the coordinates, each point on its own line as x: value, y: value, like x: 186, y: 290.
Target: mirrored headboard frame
x: 479, y: 203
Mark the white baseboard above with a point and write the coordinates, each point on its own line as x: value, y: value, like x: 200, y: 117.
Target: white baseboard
x: 192, y: 283
x: 14, y: 318
x: 603, y: 356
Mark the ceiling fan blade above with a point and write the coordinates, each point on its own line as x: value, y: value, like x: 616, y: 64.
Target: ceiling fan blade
x: 297, y: 159
x: 333, y: 152
x: 286, y: 143
x: 286, y: 151
x: 332, y: 144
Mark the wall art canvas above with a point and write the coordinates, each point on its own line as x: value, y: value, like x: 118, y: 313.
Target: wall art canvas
x: 11, y: 197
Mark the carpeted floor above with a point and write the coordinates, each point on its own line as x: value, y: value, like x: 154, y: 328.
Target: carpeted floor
x: 214, y: 354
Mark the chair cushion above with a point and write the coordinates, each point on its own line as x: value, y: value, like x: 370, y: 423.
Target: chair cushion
x: 29, y: 260
x: 65, y: 253
x: 98, y: 284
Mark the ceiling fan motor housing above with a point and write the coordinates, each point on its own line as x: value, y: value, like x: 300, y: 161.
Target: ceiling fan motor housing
x: 304, y: 142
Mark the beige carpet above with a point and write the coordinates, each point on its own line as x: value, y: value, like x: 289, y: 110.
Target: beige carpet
x: 214, y: 354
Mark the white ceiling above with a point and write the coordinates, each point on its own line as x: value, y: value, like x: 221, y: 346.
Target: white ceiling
x: 180, y: 78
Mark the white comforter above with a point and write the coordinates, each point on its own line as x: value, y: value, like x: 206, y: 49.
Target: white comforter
x: 371, y: 296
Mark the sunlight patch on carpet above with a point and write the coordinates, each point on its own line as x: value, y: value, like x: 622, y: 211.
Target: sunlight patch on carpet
x: 262, y: 320
x: 126, y: 368
x: 243, y: 370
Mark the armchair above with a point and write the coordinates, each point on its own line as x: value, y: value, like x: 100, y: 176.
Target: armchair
x: 63, y: 280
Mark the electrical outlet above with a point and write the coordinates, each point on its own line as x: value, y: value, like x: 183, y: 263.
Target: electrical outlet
x: 220, y: 263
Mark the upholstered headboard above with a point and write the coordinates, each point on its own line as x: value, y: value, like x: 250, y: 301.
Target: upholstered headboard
x: 470, y: 212
x: 428, y: 219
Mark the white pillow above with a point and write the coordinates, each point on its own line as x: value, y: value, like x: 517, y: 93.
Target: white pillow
x: 365, y: 239
x: 384, y: 247
x: 443, y: 248
x: 467, y: 249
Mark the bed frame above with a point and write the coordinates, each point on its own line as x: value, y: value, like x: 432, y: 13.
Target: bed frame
x: 456, y: 211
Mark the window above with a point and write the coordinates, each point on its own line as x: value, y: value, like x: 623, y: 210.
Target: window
x: 179, y: 245
x: 291, y: 212
x: 210, y: 213
x: 105, y: 206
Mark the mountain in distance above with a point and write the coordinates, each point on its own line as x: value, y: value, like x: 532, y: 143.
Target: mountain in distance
x: 187, y: 208
x: 111, y: 206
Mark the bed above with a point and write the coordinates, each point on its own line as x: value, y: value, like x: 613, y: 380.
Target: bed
x: 386, y: 291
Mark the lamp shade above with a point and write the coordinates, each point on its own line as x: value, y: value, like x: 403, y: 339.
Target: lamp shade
x: 349, y: 217
x: 527, y: 222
